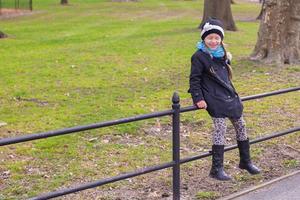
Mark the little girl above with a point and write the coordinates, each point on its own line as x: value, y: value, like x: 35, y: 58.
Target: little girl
x: 211, y: 89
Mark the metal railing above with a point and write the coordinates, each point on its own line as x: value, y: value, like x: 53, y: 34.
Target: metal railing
x: 174, y: 164
x: 16, y: 4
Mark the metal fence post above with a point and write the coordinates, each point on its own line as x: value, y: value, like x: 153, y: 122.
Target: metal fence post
x: 30, y: 5
x: 176, y: 146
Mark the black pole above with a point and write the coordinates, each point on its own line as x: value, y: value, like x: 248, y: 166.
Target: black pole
x: 24, y: 138
x: 176, y: 146
x: 234, y: 146
x: 247, y: 98
x: 267, y: 94
x: 101, y: 182
x: 30, y: 5
x: 7, y: 141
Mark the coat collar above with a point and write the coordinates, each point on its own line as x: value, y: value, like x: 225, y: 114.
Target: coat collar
x: 214, y: 76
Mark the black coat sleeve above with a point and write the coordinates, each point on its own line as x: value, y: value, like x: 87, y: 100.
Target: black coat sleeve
x: 197, y: 69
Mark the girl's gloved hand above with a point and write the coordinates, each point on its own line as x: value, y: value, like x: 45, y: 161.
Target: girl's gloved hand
x: 201, y: 104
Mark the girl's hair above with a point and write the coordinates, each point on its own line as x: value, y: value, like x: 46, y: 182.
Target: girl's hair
x: 227, y: 64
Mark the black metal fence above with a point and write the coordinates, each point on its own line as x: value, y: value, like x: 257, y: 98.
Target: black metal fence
x: 174, y: 164
x: 16, y: 4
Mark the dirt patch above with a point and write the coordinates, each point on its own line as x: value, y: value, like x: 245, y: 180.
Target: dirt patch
x: 34, y: 100
x: 11, y: 13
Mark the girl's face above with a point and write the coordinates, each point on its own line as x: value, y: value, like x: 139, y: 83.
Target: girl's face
x: 212, y: 41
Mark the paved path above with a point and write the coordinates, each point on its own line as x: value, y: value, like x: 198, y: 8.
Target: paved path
x: 287, y: 188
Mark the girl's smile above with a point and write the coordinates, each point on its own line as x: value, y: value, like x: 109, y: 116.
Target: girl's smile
x: 212, y: 41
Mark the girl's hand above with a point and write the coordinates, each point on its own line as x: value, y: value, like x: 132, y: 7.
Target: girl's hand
x: 201, y: 104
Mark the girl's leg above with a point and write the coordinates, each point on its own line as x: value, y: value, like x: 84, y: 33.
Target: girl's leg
x: 244, y: 146
x: 240, y: 128
x: 219, y: 131
x: 217, y: 167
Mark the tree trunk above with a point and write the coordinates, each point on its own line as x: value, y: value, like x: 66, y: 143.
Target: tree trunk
x: 123, y: 0
x: 220, y: 10
x: 64, y: 2
x: 261, y: 10
x: 279, y: 33
x: 2, y: 35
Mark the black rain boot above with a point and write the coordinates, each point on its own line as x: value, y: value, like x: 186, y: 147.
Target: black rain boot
x: 245, y: 160
x: 217, y: 169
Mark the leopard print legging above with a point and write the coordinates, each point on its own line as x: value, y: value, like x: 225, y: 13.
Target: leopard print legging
x: 220, y: 130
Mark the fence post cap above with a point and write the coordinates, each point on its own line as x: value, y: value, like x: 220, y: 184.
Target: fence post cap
x: 175, y: 98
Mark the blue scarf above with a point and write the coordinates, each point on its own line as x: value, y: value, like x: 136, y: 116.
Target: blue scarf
x: 217, y: 53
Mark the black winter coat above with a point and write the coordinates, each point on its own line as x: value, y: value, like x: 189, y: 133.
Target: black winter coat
x: 209, y: 81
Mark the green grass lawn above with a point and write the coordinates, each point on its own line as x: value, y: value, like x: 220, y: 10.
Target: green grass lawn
x: 96, y: 60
